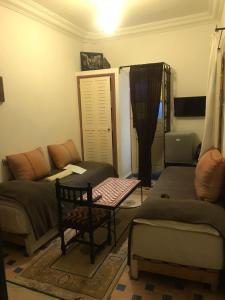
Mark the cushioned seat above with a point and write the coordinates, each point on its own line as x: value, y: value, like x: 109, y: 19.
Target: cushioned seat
x: 171, y: 246
x: 15, y: 223
x: 78, y: 218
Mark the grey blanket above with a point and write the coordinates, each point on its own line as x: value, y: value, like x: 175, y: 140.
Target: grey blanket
x: 173, y: 198
x: 38, y: 200
x: 189, y: 211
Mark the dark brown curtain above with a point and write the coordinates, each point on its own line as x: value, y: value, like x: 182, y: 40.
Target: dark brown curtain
x: 145, y: 90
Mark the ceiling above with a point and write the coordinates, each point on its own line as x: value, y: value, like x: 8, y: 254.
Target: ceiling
x: 82, y: 13
x: 78, y: 17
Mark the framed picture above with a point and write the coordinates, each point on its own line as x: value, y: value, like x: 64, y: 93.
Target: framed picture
x: 2, y: 98
x: 91, y: 61
x: 106, y: 64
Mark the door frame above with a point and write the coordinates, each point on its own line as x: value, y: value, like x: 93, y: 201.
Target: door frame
x: 113, y: 114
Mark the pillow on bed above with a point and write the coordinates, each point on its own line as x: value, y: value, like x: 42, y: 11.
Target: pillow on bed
x: 63, y: 154
x: 209, y: 175
x: 30, y: 165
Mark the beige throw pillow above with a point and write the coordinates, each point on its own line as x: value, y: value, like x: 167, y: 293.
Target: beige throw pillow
x: 63, y: 154
x: 209, y: 175
x: 30, y: 165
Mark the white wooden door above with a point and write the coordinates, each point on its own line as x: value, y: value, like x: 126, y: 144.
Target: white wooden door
x: 95, y: 98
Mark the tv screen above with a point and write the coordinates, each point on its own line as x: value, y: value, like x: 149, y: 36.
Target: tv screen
x: 189, y: 106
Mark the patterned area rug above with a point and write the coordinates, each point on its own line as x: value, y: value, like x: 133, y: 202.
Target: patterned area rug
x: 134, y: 200
x: 72, y: 276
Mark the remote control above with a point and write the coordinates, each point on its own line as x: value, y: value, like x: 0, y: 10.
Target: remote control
x: 97, y: 198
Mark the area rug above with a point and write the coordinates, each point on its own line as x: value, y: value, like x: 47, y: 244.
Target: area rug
x: 72, y: 276
x: 134, y: 200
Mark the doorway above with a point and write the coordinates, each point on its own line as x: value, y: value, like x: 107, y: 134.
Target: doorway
x: 163, y: 126
x: 96, y: 95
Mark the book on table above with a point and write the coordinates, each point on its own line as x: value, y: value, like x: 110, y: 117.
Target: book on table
x: 75, y: 169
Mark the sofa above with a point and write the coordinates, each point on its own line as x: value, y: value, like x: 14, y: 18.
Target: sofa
x: 178, y: 233
x: 29, y: 195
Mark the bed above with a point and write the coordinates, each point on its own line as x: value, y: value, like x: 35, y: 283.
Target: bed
x: 176, y: 234
x: 35, y: 197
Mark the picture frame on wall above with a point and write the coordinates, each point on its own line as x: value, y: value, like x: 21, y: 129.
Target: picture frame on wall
x: 2, y: 97
x: 106, y: 64
x: 91, y: 61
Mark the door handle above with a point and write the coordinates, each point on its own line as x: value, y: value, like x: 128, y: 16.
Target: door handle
x: 109, y: 129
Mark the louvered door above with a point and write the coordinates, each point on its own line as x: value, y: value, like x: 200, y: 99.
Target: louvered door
x: 95, y: 99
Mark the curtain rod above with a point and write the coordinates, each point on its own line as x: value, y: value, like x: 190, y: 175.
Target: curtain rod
x: 121, y: 67
x: 219, y: 28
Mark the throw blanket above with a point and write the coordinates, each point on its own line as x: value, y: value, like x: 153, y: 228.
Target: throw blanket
x: 190, y: 211
x: 181, y: 210
x: 38, y: 200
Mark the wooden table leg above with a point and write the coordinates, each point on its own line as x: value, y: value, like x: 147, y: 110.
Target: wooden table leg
x: 3, y: 288
x: 114, y: 225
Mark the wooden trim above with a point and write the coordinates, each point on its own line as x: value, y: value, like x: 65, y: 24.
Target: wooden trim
x: 113, y: 113
x: 14, y: 238
x: 80, y: 115
x: 2, y: 97
x: 131, y: 134
x: 191, y: 273
x: 113, y: 117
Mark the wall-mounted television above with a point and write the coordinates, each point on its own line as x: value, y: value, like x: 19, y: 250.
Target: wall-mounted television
x: 189, y: 106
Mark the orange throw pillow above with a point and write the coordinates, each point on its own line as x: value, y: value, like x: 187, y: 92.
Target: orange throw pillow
x: 63, y: 154
x: 209, y: 175
x: 30, y: 165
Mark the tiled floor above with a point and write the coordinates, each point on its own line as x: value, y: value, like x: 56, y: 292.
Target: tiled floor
x: 157, y: 287
x: 147, y: 287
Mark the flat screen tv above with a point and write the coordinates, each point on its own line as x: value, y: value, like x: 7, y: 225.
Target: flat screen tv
x: 189, y: 106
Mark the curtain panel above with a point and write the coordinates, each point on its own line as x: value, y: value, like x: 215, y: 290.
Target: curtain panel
x: 214, y: 98
x: 145, y: 91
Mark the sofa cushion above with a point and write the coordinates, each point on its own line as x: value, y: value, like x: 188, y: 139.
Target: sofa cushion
x: 175, y: 182
x: 209, y: 175
x: 30, y: 165
x: 63, y: 154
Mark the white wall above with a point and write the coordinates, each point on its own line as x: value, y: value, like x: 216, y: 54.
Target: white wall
x: 186, y: 49
x: 38, y: 66
x: 124, y: 123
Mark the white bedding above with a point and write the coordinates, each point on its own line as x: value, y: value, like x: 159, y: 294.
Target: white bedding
x: 176, y: 242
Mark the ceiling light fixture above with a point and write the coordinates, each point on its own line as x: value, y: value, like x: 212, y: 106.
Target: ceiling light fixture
x: 108, y: 14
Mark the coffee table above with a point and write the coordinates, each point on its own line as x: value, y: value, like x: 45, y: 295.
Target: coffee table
x: 114, y: 191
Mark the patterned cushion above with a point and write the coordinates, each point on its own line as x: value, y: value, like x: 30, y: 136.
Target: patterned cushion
x: 63, y: 154
x: 209, y: 175
x: 30, y: 165
x: 78, y: 217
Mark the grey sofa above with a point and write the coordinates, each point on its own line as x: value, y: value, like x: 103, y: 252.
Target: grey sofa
x: 15, y: 224
x: 173, y: 246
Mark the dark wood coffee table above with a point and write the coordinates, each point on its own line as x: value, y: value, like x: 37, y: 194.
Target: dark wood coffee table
x: 114, y: 191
